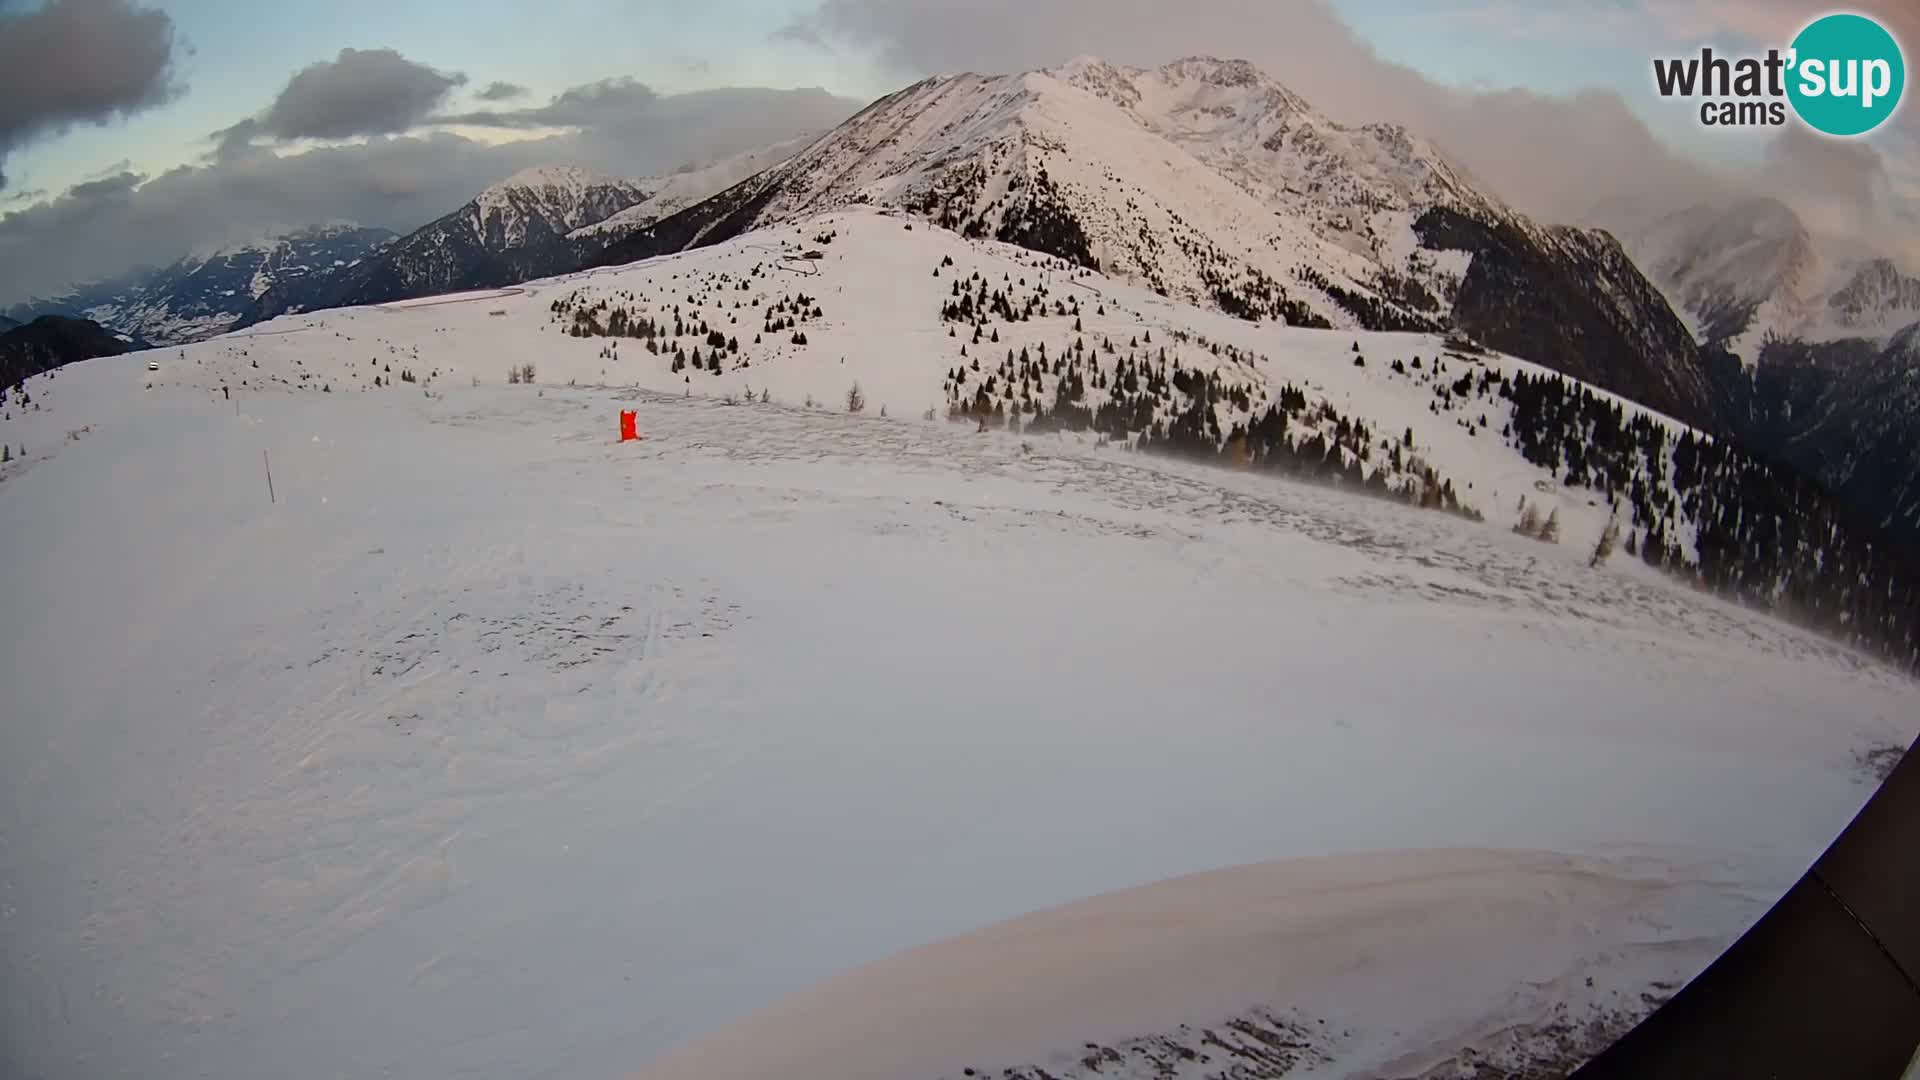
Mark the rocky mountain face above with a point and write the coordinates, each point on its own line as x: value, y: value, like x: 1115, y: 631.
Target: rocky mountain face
x: 53, y: 341
x: 680, y: 189
x: 1211, y: 182
x: 207, y: 294
x: 1876, y: 296
x: 1748, y: 271
x: 1848, y: 413
x: 1573, y: 300
x: 1738, y: 270
x: 1814, y: 343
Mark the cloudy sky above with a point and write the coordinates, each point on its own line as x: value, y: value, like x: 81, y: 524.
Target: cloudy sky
x: 138, y: 130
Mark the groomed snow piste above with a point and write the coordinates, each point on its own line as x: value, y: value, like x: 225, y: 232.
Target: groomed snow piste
x: 491, y: 747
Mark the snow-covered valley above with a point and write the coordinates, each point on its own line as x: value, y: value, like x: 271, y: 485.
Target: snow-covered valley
x: 493, y: 747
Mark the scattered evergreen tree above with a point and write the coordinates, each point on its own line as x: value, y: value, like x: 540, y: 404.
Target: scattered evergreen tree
x: 1603, y: 549
x: 1529, y: 523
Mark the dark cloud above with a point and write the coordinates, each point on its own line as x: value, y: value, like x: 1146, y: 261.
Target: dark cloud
x: 103, y: 227
x: 501, y: 91
x: 609, y: 100
x: 80, y: 62
x: 359, y: 92
x: 107, y: 187
x: 230, y: 142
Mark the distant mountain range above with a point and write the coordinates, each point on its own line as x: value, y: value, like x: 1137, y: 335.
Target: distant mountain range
x: 515, y: 230
x: 210, y: 293
x: 542, y: 221
x: 537, y: 223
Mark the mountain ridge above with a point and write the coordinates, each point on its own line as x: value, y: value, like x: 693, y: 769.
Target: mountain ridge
x: 207, y: 293
x: 1211, y: 182
x: 541, y: 221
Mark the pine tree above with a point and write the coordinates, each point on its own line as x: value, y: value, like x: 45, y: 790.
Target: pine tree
x: 1603, y: 549
x: 1529, y: 523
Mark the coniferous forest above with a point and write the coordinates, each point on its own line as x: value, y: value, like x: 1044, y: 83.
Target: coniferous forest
x: 1747, y: 528
x: 1729, y: 521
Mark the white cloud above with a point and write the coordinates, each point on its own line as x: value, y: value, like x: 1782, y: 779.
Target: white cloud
x: 101, y: 228
x: 1559, y: 157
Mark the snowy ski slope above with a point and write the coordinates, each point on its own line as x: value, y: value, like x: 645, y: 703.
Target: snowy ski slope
x: 491, y: 747
x: 880, y: 298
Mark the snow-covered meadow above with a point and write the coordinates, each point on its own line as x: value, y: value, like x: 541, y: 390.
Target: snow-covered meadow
x: 492, y: 747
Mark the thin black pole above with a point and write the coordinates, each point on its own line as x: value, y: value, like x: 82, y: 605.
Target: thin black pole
x: 269, y: 464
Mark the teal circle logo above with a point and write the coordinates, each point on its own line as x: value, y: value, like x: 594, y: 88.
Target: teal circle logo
x: 1847, y: 74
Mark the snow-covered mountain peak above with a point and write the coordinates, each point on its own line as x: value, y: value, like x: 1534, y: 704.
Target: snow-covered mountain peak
x: 1876, y: 297
x: 1216, y: 71
x: 1197, y: 86
x: 687, y: 185
x: 563, y: 178
x: 1210, y: 182
x: 547, y: 199
x: 1098, y: 77
x: 267, y: 241
x: 1749, y: 271
x: 1269, y: 140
